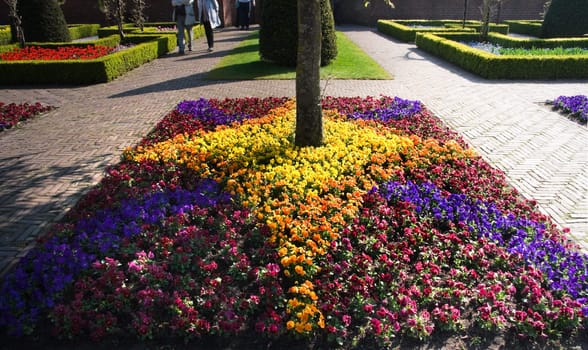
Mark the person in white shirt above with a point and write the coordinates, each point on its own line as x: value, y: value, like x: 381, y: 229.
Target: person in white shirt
x: 208, y: 16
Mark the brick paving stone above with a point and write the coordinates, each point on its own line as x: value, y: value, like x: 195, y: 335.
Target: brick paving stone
x: 50, y: 162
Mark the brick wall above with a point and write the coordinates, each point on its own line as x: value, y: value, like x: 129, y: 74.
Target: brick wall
x: 353, y: 11
x: 345, y: 11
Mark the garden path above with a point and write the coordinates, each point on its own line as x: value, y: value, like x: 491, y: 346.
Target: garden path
x: 49, y: 163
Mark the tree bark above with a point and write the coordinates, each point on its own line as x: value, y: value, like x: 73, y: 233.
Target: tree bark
x: 309, y: 118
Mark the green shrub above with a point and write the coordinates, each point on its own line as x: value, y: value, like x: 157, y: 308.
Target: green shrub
x: 83, y: 72
x: 525, y: 27
x: 405, y: 30
x: 278, y: 36
x: 5, y: 35
x: 449, y: 47
x: 79, y: 31
x: 565, y: 18
x: 329, y: 35
x: 43, y: 21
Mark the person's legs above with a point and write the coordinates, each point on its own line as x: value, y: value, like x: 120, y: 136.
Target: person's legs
x: 242, y: 15
x: 181, y: 28
x: 209, y: 35
x: 189, y: 40
x: 247, y: 12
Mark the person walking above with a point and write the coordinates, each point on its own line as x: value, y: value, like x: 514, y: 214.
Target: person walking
x: 179, y: 16
x: 244, y: 8
x: 190, y: 22
x: 208, y: 16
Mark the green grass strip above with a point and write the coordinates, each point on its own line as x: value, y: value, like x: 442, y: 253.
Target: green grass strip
x: 558, y: 51
x: 243, y: 63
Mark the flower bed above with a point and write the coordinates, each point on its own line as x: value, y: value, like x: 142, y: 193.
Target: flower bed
x: 12, y: 114
x: 215, y: 225
x: 575, y: 107
x: 140, y: 48
x: 89, y: 52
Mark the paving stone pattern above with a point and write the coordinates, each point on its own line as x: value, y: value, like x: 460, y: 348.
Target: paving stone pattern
x: 50, y: 162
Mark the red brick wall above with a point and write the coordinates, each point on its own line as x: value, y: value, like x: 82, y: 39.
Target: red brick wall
x: 353, y: 11
x: 345, y: 11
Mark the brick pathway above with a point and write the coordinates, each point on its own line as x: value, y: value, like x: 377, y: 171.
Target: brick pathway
x: 50, y: 162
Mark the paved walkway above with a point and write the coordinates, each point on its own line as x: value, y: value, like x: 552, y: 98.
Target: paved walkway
x: 50, y: 162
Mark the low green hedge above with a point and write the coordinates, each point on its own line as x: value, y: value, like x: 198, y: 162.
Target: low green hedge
x: 490, y: 66
x: 525, y: 27
x: 405, y: 30
x: 149, y: 27
x: 79, y: 31
x: 76, y: 31
x: 5, y: 36
x: 82, y: 72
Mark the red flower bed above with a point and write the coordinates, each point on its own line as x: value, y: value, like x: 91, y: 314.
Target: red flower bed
x: 54, y: 54
x: 11, y: 114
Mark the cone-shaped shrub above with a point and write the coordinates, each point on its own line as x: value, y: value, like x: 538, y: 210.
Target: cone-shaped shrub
x: 565, y: 18
x: 278, y: 36
x: 43, y: 21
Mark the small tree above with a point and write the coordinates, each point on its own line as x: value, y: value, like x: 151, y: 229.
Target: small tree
x: 43, y: 21
x: 465, y: 13
x: 114, y: 10
x: 487, y: 9
x: 138, y: 13
x: 15, y: 23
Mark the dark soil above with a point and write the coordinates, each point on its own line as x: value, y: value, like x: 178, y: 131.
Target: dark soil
x: 444, y: 341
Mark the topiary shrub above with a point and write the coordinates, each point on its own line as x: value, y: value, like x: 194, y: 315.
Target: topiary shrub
x: 43, y: 21
x: 565, y: 18
x: 329, y: 38
x: 278, y: 36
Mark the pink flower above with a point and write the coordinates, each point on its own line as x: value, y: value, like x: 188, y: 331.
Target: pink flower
x: 376, y: 325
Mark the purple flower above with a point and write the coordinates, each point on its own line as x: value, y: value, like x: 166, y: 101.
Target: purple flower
x: 43, y: 274
x: 398, y: 109
x: 565, y: 270
x: 202, y: 110
x: 575, y: 106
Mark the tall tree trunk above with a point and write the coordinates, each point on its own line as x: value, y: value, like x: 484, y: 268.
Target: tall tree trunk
x: 465, y: 13
x: 120, y: 17
x: 309, y: 118
x: 15, y: 23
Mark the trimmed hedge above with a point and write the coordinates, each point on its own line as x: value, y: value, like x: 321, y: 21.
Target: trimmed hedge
x: 405, y: 30
x: 5, y: 36
x: 79, y: 31
x: 76, y: 31
x: 82, y: 72
x: 490, y: 66
x: 525, y: 27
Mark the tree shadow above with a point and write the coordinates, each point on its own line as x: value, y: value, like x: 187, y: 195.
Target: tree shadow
x: 31, y: 199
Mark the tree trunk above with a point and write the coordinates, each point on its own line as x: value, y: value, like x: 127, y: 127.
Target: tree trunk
x: 309, y: 118
x: 120, y: 17
x: 17, y: 34
x: 465, y: 13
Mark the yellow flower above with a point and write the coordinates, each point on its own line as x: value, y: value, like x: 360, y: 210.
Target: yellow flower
x: 300, y: 270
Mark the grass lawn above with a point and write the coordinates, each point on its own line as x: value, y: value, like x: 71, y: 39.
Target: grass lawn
x: 243, y: 63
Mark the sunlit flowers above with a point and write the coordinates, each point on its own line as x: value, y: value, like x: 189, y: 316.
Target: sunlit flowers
x: 11, y: 114
x: 217, y: 225
x: 575, y: 107
x: 58, y: 53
